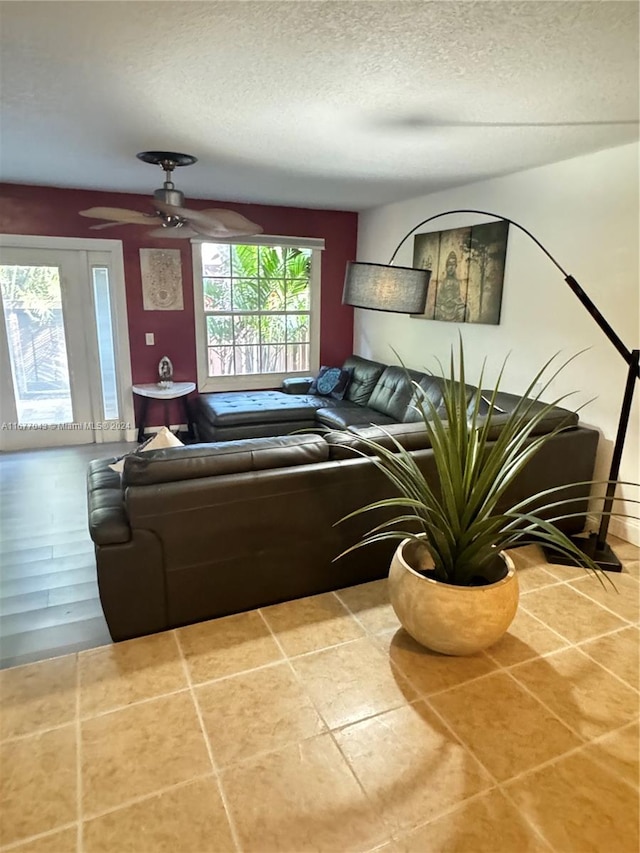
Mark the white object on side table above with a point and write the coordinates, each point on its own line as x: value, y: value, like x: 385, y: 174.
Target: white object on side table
x: 153, y: 391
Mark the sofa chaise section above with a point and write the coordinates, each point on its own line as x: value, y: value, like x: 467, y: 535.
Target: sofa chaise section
x: 251, y: 414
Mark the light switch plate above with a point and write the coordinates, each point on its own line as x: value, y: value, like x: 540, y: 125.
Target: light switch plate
x: 149, y: 339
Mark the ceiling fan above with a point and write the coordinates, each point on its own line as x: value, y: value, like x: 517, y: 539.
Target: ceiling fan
x: 173, y: 219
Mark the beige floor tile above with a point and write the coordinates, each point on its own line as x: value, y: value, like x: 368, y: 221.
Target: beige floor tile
x: 351, y: 682
x: 526, y: 638
x: 37, y: 784
x: 565, y: 573
x: 528, y: 557
x: 580, y: 692
x: 619, y: 653
x: 628, y: 554
x: 308, y: 624
x: 488, y: 824
x: 139, y: 750
x: 632, y: 568
x: 58, y: 842
x: 410, y: 765
x: 118, y: 675
x: 619, y: 752
x: 579, y: 806
x: 227, y: 646
x: 190, y: 818
x: 505, y: 727
x: 532, y: 566
x: 534, y: 577
x: 625, y: 602
x: 38, y: 696
x: 570, y: 614
x: 428, y: 671
x: 625, y: 551
x: 256, y: 712
x: 370, y: 603
x: 301, y: 798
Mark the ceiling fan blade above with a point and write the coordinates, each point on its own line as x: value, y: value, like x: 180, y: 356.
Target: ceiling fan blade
x: 102, y: 225
x: 119, y: 215
x: 181, y: 233
x: 215, y: 232
x: 231, y: 220
x: 223, y: 223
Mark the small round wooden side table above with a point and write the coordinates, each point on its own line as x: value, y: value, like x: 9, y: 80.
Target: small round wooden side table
x: 152, y: 391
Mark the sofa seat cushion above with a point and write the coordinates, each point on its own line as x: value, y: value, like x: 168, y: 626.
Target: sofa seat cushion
x: 225, y: 457
x: 342, y: 417
x: 256, y: 407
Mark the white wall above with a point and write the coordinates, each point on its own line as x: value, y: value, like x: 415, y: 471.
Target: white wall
x: 585, y: 212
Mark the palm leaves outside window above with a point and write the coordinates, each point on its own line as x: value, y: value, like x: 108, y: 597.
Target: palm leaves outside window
x: 257, y: 308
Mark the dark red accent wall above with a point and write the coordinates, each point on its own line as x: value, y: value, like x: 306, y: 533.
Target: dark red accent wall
x: 53, y: 212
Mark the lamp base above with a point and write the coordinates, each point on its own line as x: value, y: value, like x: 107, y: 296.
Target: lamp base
x: 602, y: 556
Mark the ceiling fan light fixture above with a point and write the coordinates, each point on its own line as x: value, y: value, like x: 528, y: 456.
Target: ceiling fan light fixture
x: 170, y: 216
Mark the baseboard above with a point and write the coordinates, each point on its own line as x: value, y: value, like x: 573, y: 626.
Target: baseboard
x: 624, y: 528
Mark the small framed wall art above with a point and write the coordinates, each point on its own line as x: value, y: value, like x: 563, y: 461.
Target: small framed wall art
x: 161, y: 271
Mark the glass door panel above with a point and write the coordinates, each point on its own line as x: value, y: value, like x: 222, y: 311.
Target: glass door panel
x: 32, y: 301
x: 45, y: 359
x: 106, y: 343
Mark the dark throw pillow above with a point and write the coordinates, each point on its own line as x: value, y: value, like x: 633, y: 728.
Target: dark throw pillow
x: 332, y: 382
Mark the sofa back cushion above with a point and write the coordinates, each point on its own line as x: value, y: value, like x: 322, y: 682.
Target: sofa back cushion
x: 223, y: 457
x: 432, y: 387
x: 394, y: 391
x: 555, y: 418
x: 365, y: 375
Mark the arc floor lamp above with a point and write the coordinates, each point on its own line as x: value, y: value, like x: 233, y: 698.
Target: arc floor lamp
x: 384, y: 287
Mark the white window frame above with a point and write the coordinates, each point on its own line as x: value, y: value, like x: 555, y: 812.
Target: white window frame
x: 252, y: 381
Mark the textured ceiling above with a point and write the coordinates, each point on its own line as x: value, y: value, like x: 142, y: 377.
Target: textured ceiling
x: 323, y: 104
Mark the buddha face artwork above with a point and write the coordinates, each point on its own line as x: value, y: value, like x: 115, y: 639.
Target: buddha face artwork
x: 467, y: 272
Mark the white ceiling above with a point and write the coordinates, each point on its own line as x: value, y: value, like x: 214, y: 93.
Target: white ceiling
x: 341, y: 105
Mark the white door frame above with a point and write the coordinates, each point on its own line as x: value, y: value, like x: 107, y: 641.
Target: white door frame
x: 113, y: 250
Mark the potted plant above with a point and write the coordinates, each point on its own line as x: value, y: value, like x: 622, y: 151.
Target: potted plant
x: 451, y: 583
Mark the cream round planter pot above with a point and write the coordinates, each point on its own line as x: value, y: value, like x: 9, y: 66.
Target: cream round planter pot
x: 453, y: 620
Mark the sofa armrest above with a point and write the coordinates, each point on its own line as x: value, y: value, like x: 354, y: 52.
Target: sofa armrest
x: 108, y: 522
x: 296, y: 384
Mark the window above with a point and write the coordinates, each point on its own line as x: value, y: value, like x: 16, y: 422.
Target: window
x: 257, y: 307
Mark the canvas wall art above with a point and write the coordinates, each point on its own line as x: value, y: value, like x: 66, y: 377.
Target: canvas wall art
x: 467, y: 272
x: 161, y: 279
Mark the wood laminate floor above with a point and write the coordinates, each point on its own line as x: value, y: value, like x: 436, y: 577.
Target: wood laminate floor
x: 49, y: 602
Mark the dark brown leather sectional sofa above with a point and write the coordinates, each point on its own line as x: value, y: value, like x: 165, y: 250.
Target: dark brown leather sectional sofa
x: 210, y: 529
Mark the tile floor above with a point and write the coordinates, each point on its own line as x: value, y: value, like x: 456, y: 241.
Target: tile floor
x: 318, y: 725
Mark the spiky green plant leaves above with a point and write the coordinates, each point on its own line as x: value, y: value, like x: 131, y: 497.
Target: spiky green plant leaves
x: 461, y: 524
